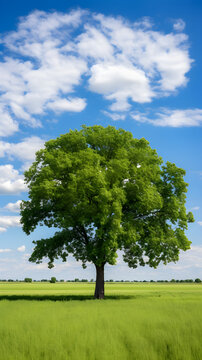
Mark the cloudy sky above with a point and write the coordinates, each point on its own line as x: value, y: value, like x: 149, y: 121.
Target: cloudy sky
x: 134, y: 65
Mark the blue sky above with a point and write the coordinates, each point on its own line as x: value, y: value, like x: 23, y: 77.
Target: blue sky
x: 134, y: 65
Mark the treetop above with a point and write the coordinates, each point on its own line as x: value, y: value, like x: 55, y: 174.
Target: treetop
x: 103, y: 190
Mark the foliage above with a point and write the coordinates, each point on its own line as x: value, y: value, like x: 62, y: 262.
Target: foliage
x: 53, y: 280
x: 103, y: 190
x: 29, y: 280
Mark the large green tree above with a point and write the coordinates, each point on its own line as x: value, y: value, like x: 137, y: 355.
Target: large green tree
x: 104, y: 190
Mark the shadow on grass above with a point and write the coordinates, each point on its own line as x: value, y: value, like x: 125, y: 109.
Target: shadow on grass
x: 62, y: 297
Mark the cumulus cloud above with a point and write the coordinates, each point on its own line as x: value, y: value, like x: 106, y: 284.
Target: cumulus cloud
x: 163, y: 57
x: 2, y: 229
x: 11, y: 182
x: 145, y: 22
x: 118, y: 82
x: 75, y: 105
x: 9, y: 221
x: 8, y: 126
x: 200, y: 223
x: 21, y: 248
x: 23, y: 151
x: 171, y: 118
x: 179, y: 25
x: 114, y: 116
x: 14, y: 207
x: 41, y: 70
x: 51, y: 54
x: 94, y: 44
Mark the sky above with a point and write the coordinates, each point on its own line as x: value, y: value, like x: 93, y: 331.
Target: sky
x: 134, y: 65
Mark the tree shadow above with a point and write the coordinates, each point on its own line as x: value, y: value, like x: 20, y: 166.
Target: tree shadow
x: 62, y: 297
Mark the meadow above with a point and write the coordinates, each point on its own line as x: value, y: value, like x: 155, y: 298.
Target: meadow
x: 136, y: 321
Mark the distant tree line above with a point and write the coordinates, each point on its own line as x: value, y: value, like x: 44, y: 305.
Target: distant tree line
x: 54, y: 280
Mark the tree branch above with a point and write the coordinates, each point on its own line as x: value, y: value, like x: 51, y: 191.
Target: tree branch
x: 148, y: 215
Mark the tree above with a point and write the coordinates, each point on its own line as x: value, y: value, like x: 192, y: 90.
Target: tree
x: 28, y: 280
x: 103, y: 190
x: 53, y: 280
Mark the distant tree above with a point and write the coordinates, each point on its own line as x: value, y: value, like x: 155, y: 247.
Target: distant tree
x: 173, y: 280
x: 105, y: 191
x: 28, y: 280
x: 53, y: 280
x: 197, y: 280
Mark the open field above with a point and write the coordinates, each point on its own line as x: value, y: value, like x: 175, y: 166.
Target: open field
x: 139, y: 321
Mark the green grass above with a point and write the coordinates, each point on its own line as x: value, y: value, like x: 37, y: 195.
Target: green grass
x: 136, y: 321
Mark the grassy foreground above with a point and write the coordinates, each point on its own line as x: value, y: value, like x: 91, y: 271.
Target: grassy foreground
x: 136, y: 321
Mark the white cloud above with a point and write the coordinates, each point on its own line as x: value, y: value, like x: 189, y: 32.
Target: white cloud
x: 51, y: 54
x: 42, y: 26
x: 9, y: 221
x: 36, y: 267
x: 114, y: 116
x: 94, y: 44
x: 23, y: 151
x: 145, y: 23
x: 57, y: 267
x: 13, y: 87
x: 171, y: 118
x: 7, y: 125
x: 21, y: 248
x: 14, y: 207
x: 75, y: 105
x: 11, y: 182
x: 118, y: 82
x: 189, y: 259
x: 188, y: 267
x: 163, y: 57
x: 2, y: 229
x: 179, y: 25
x: 43, y: 70
x: 199, y: 222
x: 5, y: 250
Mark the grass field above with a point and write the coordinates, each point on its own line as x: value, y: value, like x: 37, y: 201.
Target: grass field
x: 137, y: 321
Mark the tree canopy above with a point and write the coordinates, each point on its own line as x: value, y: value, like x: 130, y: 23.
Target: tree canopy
x: 104, y: 190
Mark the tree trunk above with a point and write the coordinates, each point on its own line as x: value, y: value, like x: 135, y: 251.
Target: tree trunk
x: 99, y: 287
